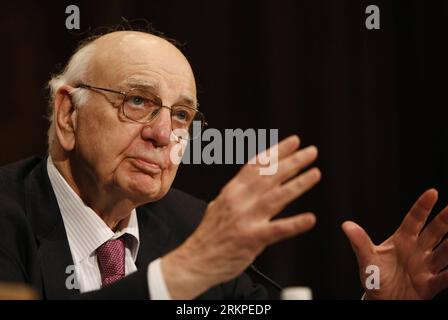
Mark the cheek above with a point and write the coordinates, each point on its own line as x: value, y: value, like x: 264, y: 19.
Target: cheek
x: 168, y: 175
x: 167, y: 179
x: 101, y: 139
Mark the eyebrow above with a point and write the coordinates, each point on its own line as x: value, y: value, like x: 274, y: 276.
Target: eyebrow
x: 152, y: 87
x: 142, y: 85
x: 185, y: 100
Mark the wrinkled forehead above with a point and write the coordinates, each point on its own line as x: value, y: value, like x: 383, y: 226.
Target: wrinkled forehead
x: 125, y: 60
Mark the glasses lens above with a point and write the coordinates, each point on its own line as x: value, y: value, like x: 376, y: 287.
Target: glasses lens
x: 187, y: 122
x: 140, y: 107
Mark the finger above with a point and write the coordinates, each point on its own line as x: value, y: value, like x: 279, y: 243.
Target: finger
x: 280, y: 229
x: 435, y: 230
x: 415, y: 220
x: 250, y: 172
x: 291, y: 165
x: 276, y: 199
x: 439, y: 258
x: 360, y: 242
x: 277, y: 152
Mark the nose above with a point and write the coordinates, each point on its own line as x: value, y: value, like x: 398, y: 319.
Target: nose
x: 158, y: 131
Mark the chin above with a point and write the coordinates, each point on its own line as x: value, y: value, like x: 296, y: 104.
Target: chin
x: 146, y: 188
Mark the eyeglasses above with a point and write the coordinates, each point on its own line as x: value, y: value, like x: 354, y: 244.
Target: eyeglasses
x: 143, y: 107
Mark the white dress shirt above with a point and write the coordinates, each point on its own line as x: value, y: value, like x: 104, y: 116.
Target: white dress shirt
x: 86, y: 231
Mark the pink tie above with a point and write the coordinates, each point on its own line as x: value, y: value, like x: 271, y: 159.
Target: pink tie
x: 111, y: 260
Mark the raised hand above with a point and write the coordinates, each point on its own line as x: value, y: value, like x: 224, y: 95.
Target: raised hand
x: 238, y: 224
x: 411, y: 261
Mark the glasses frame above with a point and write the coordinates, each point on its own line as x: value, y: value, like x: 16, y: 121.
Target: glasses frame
x: 158, y: 102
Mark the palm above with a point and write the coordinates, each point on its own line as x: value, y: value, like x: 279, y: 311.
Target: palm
x: 410, y: 267
x: 396, y: 263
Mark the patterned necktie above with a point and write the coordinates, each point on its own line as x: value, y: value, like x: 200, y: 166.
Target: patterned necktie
x: 111, y: 260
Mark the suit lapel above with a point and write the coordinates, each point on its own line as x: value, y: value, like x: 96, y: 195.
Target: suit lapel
x: 54, y: 256
x: 155, y: 234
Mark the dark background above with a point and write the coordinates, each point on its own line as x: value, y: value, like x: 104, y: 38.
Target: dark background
x: 373, y: 101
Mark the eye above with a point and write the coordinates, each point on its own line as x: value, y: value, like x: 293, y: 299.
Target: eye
x: 182, y: 115
x: 136, y: 100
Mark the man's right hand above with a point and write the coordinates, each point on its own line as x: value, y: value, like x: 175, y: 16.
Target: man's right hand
x: 238, y: 224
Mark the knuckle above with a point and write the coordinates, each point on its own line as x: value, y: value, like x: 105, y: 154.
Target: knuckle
x: 300, y: 182
x: 269, y: 204
x: 279, y: 231
x: 249, y: 169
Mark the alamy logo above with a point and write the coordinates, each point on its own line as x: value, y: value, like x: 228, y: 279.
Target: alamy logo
x: 373, y: 280
x: 72, y: 21
x: 228, y: 148
x: 71, y: 282
x: 373, y: 20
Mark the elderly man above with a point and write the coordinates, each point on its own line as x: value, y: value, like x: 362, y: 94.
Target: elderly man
x: 102, y: 200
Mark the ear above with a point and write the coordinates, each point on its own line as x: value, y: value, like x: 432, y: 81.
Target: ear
x: 64, y: 118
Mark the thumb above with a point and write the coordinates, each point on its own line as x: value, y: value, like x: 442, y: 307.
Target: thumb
x: 360, y: 242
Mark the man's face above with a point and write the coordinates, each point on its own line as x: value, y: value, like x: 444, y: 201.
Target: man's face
x: 123, y: 157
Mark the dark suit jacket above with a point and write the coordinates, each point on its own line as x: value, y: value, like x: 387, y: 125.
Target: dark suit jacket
x: 34, y: 248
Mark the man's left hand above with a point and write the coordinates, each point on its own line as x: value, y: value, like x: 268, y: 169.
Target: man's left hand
x: 413, y: 262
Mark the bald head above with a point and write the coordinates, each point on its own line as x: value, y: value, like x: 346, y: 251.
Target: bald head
x: 137, y: 56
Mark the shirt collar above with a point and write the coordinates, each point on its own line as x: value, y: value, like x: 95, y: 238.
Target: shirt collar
x: 86, y: 231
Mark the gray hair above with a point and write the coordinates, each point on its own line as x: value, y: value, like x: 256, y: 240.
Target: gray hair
x: 75, y: 72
